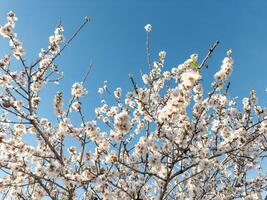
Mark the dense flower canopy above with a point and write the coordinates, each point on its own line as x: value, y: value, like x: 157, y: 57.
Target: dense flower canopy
x: 165, y: 139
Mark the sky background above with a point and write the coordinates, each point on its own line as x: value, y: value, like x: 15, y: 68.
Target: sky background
x: 115, y: 40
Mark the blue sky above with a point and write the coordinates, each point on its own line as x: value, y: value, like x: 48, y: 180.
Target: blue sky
x: 115, y: 39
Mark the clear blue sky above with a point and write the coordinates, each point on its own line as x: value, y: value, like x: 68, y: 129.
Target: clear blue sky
x: 115, y: 39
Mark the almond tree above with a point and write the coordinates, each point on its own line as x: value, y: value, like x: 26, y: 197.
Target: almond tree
x: 165, y: 139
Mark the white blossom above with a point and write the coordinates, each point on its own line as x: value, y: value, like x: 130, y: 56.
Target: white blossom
x: 78, y: 90
x: 148, y: 28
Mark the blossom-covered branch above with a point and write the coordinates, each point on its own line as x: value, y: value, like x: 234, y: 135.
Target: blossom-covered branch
x: 165, y: 139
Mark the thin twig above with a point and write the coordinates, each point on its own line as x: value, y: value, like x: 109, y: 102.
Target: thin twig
x: 134, y: 84
x: 83, y: 80
x: 148, y: 49
x: 88, y: 71
x: 203, y: 63
x: 87, y: 19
